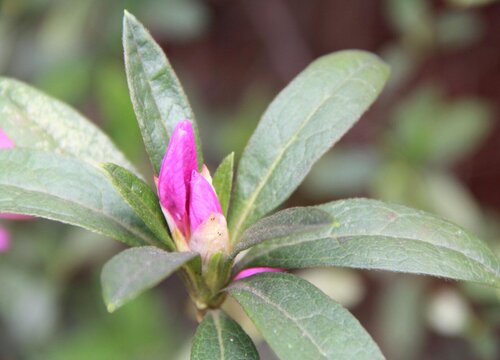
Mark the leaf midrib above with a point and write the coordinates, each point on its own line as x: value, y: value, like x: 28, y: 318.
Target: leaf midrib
x: 254, y: 291
x: 218, y: 328
x: 260, y: 186
x: 148, y: 81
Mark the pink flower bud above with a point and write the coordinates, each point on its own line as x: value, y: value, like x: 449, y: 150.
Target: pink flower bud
x: 255, y: 270
x: 188, y: 199
x: 175, y: 174
x: 5, y: 142
x: 4, y: 240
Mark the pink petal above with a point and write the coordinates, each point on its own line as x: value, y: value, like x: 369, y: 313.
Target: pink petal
x: 5, y: 142
x: 255, y: 270
x: 4, y: 240
x: 203, y: 201
x: 15, y: 216
x: 175, y: 173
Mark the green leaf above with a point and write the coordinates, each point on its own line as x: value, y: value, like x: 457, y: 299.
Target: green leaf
x: 470, y: 3
x: 69, y: 190
x: 223, y: 181
x: 370, y: 234
x: 219, y: 337
x: 299, y: 321
x: 294, y: 221
x: 141, y: 199
x: 136, y: 270
x: 37, y: 121
x: 156, y: 93
x: 300, y: 125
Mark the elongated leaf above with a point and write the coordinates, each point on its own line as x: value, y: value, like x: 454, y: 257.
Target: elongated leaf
x: 37, y: 121
x: 223, y: 181
x: 300, y: 322
x: 136, y: 270
x: 156, y: 93
x: 220, y: 338
x: 289, y: 222
x: 300, y: 125
x: 69, y: 190
x: 371, y: 234
x: 470, y: 3
x: 142, y: 199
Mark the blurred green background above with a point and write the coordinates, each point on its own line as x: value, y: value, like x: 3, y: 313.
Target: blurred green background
x: 432, y: 141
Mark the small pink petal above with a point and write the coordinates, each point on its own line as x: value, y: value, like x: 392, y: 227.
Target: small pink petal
x: 5, y: 142
x: 10, y: 216
x: 175, y: 173
x: 255, y: 270
x: 203, y: 201
x: 4, y: 240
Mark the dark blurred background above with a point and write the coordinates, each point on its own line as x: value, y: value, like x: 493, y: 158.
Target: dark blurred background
x: 431, y: 141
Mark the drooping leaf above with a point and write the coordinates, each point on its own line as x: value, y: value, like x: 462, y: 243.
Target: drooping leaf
x: 69, y: 190
x: 299, y: 321
x: 293, y: 221
x: 300, y: 125
x: 219, y: 337
x: 370, y: 234
x: 223, y: 181
x: 37, y: 121
x: 142, y: 199
x: 156, y: 93
x: 136, y: 270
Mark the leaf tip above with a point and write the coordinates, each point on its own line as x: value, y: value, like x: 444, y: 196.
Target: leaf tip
x: 111, y: 308
x: 128, y: 19
x: 126, y: 14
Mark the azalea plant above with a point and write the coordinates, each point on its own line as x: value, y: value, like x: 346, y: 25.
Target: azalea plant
x: 216, y: 232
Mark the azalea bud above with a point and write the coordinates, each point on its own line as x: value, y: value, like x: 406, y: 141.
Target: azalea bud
x: 188, y: 199
x: 4, y: 240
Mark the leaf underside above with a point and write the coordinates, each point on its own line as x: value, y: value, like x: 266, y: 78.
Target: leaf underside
x: 136, y: 270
